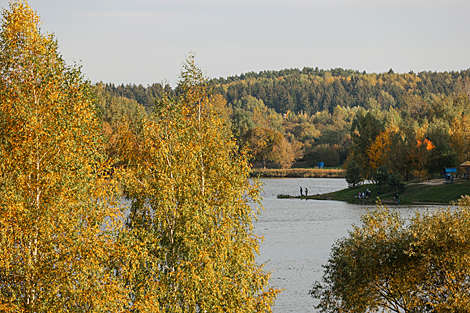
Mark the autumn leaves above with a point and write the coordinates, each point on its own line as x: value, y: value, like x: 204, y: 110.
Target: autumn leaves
x: 55, y: 256
x: 420, y: 265
x: 188, y: 244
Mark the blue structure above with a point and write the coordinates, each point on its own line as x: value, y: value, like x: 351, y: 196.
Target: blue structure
x: 321, y: 164
x: 448, y: 173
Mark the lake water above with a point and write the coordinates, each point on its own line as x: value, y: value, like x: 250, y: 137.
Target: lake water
x: 298, y: 235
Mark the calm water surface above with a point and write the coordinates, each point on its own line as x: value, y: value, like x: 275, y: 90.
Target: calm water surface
x: 298, y: 235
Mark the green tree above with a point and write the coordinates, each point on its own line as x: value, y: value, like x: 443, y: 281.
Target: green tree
x: 250, y: 112
x: 395, y: 181
x: 442, y: 155
x: 56, y: 221
x: 113, y: 109
x: 368, y: 269
x: 364, y: 131
x: 353, y: 174
x: 381, y: 176
x: 403, y: 158
x: 305, y: 131
x: 191, y: 221
x: 242, y: 122
x: 329, y: 154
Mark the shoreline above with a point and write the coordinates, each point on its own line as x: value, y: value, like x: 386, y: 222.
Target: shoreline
x: 359, y: 201
x: 298, y: 173
x: 392, y: 202
x: 435, y: 192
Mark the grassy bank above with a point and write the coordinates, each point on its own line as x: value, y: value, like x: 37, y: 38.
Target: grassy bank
x: 299, y: 172
x: 413, y: 193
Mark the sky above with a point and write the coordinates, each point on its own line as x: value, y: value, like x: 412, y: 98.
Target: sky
x: 147, y: 41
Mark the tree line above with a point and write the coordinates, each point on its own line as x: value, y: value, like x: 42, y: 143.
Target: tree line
x: 421, y: 140
x: 347, y: 134
x: 312, y: 90
x: 302, y: 117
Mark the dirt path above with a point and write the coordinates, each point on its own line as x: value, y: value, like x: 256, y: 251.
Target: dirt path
x: 432, y: 182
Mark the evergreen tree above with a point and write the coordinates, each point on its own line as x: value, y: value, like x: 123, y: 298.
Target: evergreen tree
x: 353, y: 174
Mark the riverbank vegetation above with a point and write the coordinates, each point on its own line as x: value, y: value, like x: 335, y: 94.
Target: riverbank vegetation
x: 435, y: 191
x: 388, y: 263
x: 298, y: 172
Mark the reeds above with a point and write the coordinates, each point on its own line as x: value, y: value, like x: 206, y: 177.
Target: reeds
x: 299, y: 172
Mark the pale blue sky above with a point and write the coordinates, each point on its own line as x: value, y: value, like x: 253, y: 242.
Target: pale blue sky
x: 146, y: 41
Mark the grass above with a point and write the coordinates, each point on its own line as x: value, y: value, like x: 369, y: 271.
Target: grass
x: 413, y: 193
x: 444, y: 193
x: 299, y: 172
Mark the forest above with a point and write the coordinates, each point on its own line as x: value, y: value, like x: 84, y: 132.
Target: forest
x: 338, y: 117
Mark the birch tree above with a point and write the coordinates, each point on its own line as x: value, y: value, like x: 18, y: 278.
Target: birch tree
x: 190, y: 220
x: 56, y: 249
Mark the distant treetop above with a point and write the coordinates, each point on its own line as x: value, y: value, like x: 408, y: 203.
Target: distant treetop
x: 311, y: 90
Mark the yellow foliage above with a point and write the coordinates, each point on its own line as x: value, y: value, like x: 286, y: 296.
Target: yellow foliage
x: 190, y: 222
x: 417, y: 266
x: 57, y: 218
x: 379, y: 152
x: 285, y: 153
x: 460, y: 137
x: 329, y: 80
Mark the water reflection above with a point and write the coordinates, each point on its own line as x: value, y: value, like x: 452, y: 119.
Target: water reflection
x: 299, y: 235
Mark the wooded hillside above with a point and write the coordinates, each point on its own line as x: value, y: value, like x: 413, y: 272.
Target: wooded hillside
x: 312, y: 90
x: 298, y: 117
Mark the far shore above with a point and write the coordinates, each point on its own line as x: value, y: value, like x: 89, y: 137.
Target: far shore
x: 437, y: 191
x: 299, y: 172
